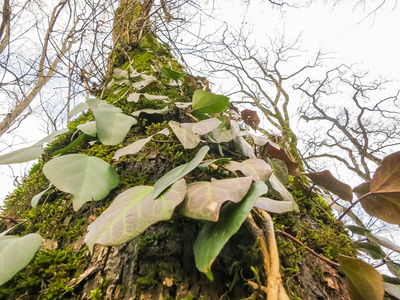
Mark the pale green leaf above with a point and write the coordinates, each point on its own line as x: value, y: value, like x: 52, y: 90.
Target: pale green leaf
x: 50, y: 137
x: 393, y: 290
x: 188, y: 139
x: 280, y: 169
x: 210, y: 103
x: 178, y: 172
x: 276, y: 206
x: 257, y: 168
x: 112, y: 126
x: 35, y: 199
x: 77, y: 109
x: 136, y: 146
x: 202, y: 127
x: 88, y: 128
x: 21, y: 155
x: 374, y: 251
x: 280, y: 188
x: 358, y: 230
x: 204, y: 199
x: 132, y: 212
x: 182, y: 105
x: 222, y: 135
x: 85, y: 177
x: 140, y: 85
x: 162, y: 111
x: 382, y: 241
x: 365, y: 283
x: 93, y: 103
x: 213, y: 236
x: 16, y: 253
x: 134, y: 97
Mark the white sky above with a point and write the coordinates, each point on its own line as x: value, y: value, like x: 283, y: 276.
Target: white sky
x: 371, y: 43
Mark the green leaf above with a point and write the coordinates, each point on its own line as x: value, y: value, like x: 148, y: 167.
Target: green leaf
x: 85, y: 177
x: 222, y: 134
x: 178, y: 172
x: 391, y: 280
x: 213, y: 236
x: 188, y: 139
x: 280, y: 188
x: 202, y: 127
x: 93, y: 103
x: 136, y: 146
x: 382, y: 241
x: 132, y: 212
x: 274, y: 151
x: 328, y: 181
x: 257, y: 168
x: 77, y: 109
x: 280, y: 169
x: 374, y: 251
x: 172, y: 74
x: 393, y: 290
x: 88, y: 128
x: 70, y: 146
x: 204, y: 199
x: 112, y: 125
x: 363, y: 280
x: 393, y: 267
x: 16, y: 253
x: 220, y: 161
x: 50, y: 137
x: 358, y: 230
x: 35, y: 199
x: 209, y: 103
x: 21, y: 155
x: 144, y: 84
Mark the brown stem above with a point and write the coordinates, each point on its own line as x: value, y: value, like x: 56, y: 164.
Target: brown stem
x: 307, y: 248
x: 354, y: 204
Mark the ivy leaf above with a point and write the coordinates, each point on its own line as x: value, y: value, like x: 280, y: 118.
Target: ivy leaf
x: 209, y: 103
x: 162, y: 111
x: 213, y: 236
x: 220, y: 161
x: 16, y: 253
x: 204, y: 199
x: 328, y: 181
x: 35, y: 200
x: 386, y: 178
x: 382, y: 241
x: 134, y: 97
x: 374, y: 251
x: 178, y: 172
x: 70, y: 146
x: 182, y: 105
x: 257, y: 168
x: 188, y: 139
x: 202, y: 127
x: 251, y: 118
x: 136, y: 146
x: 85, y: 177
x: 393, y: 290
x: 281, y: 154
x: 358, y: 230
x: 50, y: 137
x: 88, y: 128
x: 276, y: 206
x: 94, y: 103
x: 222, y: 134
x: 132, y: 212
x: 393, y: 267
x: 382, y: 206
x: 77, y: 109
x: 172, y: 74
x: 280, y: 169
x: 363, y: 280
x: 142, y: 85
x: 21, y: 155
x: 112, y: 125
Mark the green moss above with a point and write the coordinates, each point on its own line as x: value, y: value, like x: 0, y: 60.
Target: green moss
x: 96, y: 294
x: 47, y: 276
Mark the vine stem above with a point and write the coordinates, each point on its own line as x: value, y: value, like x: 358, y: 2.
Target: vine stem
x: 292, y: 238
x: 354, y: 204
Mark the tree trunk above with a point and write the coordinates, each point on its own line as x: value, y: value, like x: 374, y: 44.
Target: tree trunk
x: 159, y: 264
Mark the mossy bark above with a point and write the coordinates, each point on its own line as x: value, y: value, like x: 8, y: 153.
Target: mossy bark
x: 159, y: 264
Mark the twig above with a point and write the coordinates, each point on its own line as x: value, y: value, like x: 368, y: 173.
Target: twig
x: 354, y: 204
x: 292, y: 238
x: 256, y: 286
x: 193, y: 117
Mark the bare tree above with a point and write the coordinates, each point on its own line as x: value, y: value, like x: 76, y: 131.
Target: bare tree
x: 353, y: 123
